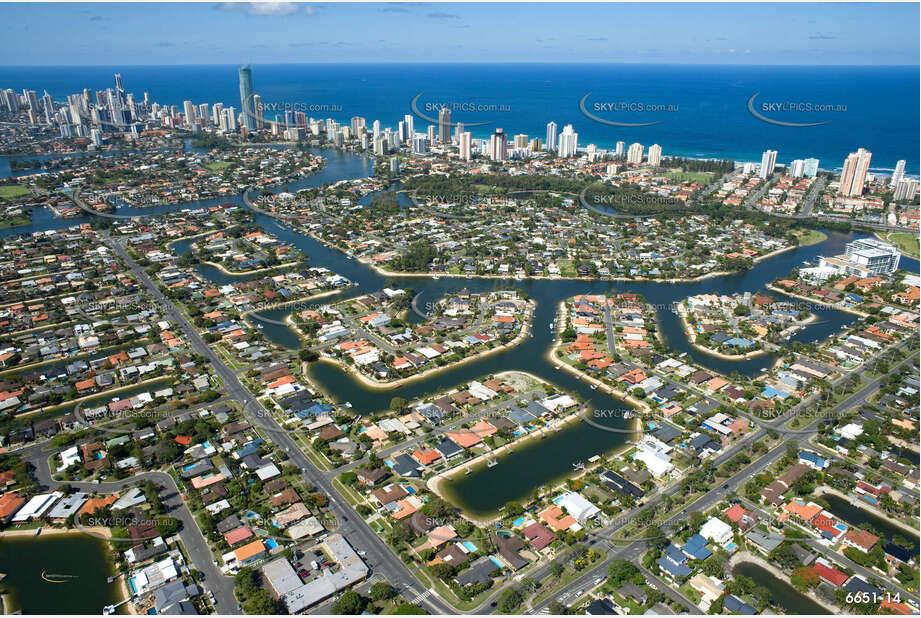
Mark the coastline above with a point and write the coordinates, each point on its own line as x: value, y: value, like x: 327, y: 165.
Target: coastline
x: 377, y: 384
x: 291, y: 303
x: 434, y: 484
x: 98, y: 531
x: 390, y: 273
x: 820, y: 303
x: 551, y: 356
x: 247, y: 273
x: 689, y: 333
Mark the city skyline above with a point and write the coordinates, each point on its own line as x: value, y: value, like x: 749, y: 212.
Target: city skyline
x: 293, y: 33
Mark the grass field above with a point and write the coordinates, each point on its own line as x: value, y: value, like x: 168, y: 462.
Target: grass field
x: 567, y: 268
x: 699, y: 177
x: 809, y: 237
x: 217, y: 166
x: 14, y: 221
x: 9, y: 192
x: 906, y: 241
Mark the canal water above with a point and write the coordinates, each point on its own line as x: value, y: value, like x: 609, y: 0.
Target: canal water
x: 857, y: 516
x: 785, y: 596
x: 82, y: 560
x: 541, y: 461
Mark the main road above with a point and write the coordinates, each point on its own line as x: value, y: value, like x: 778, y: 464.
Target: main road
x: 351, y: 524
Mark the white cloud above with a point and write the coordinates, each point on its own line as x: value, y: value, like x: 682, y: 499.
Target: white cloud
x: 265, y: 8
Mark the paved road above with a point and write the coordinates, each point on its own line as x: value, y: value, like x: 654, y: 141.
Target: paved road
x: 489, y: 411
x: 195, y: 544
x: 843, y: 560
x: 719, y: 493
x: 810, y: 199
x: 379, y: 556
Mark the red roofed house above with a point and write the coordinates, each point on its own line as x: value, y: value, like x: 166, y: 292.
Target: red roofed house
x: 538, y: 535
x: 826, y: 571
x: 238, y: 535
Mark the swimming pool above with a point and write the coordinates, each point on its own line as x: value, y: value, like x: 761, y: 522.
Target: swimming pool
x: 469, y: 546
x: 495, y: 561
x: 518, y: 522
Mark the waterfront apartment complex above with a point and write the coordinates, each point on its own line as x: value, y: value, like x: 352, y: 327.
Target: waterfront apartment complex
x: 865, y: 257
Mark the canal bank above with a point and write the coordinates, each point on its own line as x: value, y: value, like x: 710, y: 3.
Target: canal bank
x: 371, y: 383
x: 515, y: 472
x: 859, y: 514
x: 532, y: 466
x: 783, y: 594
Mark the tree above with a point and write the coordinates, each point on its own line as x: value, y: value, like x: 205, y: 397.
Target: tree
x: 513, y: 508
x: 509, y: 600
x: 696, y: 520
x: 621, y: 571
x: 557, y: 609
x: 381, y: 591
x: 438, y: 509
x: 655, y: 538
x: 350, y: 603
x: 408, y: 609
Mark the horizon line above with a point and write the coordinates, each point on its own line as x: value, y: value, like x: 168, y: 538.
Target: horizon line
x: 456, y: 62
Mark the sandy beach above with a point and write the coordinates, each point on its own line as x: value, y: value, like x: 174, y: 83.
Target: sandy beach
x: 54, y: 531
x: 49, y: 531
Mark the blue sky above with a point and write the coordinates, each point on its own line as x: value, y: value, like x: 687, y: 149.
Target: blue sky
x: 655, y: 33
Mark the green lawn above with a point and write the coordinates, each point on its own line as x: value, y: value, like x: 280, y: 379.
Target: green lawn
x: 809, y: 237
x: 10, y: 192
x: 698, y: 177
x: 13, y: 221
x: 217, y: 166
x: 907, y: 242
x: 567, y: 268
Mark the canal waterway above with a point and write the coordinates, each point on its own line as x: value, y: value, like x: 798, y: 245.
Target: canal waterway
x: 857, y: 516
x: 545, y: 460
x: 783, y: 594
x: 80, y: 562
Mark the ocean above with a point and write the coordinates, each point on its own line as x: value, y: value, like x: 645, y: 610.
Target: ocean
x: 699, y: 111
